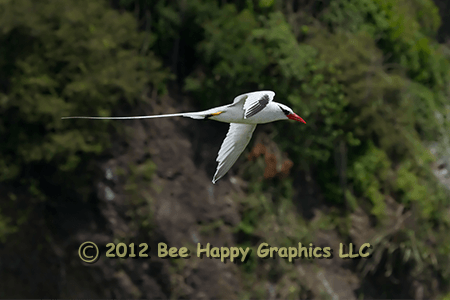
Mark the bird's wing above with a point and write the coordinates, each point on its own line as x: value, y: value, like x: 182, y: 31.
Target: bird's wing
x: 234, y: 144
x: 256, y: 102
x: 254, y: 107
x: 240, y: 97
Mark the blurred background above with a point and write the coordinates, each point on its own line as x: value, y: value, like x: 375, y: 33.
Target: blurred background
x: 370, y: 77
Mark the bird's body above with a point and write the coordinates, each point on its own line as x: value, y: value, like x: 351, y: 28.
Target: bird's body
x: 246, y: 111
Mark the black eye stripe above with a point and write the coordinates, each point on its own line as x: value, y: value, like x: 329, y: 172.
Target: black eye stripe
x: 286, y: 112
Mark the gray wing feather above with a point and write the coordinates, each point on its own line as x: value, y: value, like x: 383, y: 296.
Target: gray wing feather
x: 257, y: 106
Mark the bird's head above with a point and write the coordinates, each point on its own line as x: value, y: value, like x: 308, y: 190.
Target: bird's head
x: 287, y: 111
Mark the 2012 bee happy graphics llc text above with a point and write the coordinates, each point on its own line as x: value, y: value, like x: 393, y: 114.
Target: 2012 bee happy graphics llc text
x: 264, y: 251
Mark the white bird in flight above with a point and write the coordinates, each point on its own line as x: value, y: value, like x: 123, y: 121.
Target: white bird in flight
x: 246, y: 111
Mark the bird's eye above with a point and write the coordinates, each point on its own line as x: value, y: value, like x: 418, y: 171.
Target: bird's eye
x: 286, y: 112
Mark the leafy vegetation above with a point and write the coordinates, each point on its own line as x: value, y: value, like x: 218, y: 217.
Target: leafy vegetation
x: 367, y: 76
x: 64, y: 59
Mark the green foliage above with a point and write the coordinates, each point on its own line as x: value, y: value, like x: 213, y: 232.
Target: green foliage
x: 408, y: 182
x: 66, y: 58
x: 446, y: 297
x: 233, y: 60
x: 366, y: 75
x: 353, y: 16
x: 138, y: 173
x: 268, y: 215
x: 369, y: 80
x: 6, y: 228
x: 370, y: 174
x: 338, y: 82
x: 403, y: 30
x: 141, y: 203
x: 146, y: 169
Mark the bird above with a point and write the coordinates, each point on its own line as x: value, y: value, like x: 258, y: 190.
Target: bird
x: 246, y: 111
